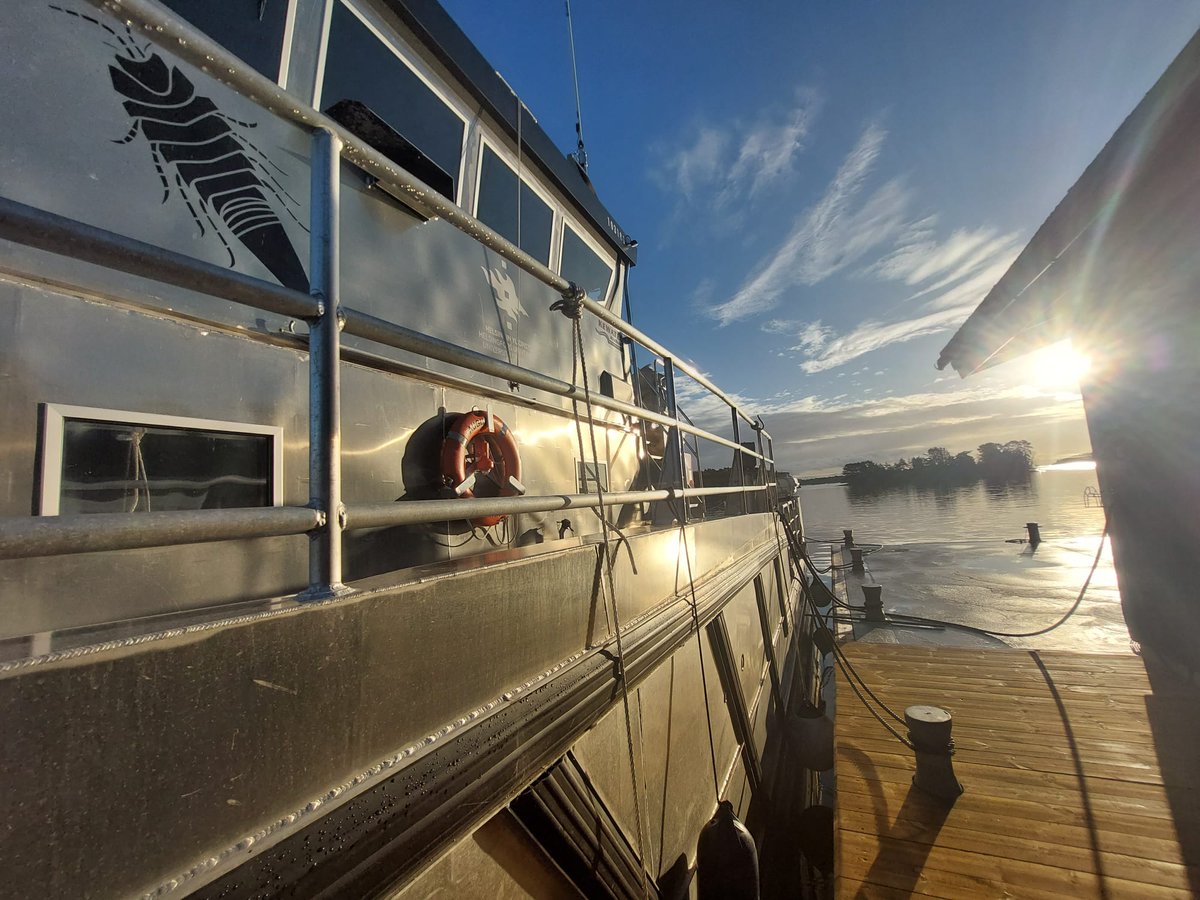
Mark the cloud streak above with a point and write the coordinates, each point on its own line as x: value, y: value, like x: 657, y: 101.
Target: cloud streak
x: 716, y: 167
x: 833, y: 234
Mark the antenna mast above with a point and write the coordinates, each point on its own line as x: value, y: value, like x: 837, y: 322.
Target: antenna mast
x: 580, y: 152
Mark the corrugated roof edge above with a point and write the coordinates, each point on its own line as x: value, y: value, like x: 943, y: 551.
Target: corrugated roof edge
x: 433, y: 25
x: 1083, y: 206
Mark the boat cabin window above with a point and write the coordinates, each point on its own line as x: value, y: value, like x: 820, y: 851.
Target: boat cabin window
x: 592, y: 476
x: 529, y: 227
x: 584, y: 266
x: 364, y: 74
x: 252, y: 31
x: 106, y: 461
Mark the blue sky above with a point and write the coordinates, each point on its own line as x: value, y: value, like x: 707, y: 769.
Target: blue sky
x: 822, y: 192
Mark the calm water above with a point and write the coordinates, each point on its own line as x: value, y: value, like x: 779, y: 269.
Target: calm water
x: 1054, y: 497
x: 945, y: 554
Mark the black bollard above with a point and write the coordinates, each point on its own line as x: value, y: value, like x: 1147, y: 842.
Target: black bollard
x: 726, y: 859
x: 929, y: 730
x: 848, y: 536
x: 1035, y: 533
x: 873, y: 602
x: 856, y: 560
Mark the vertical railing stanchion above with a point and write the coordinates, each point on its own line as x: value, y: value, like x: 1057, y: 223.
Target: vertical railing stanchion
x: 737, y: 458
x: 760, y: 464
x: 324, y: 368
x: 676, y: 436
x: 772, y: 493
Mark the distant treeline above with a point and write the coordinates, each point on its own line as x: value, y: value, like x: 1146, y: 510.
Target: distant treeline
x: 1012, y: 461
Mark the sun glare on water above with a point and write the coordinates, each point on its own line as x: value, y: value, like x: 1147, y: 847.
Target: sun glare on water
x: 1059, y: 366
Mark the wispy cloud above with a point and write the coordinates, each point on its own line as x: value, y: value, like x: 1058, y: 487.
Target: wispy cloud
x: 713, y: 167
x: 956, y: 257
x: 953, y: 276
x: 768, y: 150
x: 697, y: 165
x: 871, y: 336
x: 833, y: 234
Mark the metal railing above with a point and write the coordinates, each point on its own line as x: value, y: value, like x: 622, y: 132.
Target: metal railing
x: 325, y: 518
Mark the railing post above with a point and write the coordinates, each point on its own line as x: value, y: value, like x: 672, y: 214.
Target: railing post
x: 324, y: 370
x: 675, y: 438
x: 772, y: 493
x: 737, y: 457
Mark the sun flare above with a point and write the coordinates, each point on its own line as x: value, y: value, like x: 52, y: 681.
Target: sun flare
x: 1059, y: 365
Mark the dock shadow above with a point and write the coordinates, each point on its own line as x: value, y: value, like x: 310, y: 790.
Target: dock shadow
x: 1088, y: 815
x: 1173, y: 711
x: 905, y: 840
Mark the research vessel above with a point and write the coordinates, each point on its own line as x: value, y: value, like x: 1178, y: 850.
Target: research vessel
x: 353, y: 540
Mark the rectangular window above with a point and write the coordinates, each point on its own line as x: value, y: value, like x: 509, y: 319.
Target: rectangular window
x: 584, y: 266
x: 105, y: 461
x: 362, y: 69
x: 588, y: 478
x: 251, y: 31
x: 497, y: 207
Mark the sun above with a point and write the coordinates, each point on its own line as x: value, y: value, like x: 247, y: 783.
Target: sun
x: 1059, y: 366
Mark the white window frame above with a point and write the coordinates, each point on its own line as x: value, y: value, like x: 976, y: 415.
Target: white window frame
x: 54, y: 416
x: 597, y: 248
x: 510, y: 160
x: 289, y: 35
x: 412, y: 60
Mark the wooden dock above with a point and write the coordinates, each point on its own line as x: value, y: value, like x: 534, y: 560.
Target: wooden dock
x: 1080, y: 775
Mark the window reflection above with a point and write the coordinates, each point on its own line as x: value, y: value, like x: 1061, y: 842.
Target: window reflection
x: 582, y: 265
x: 360, y: 67
x: 251, y: 31
x: 497, y: 207
x: 126, y: 467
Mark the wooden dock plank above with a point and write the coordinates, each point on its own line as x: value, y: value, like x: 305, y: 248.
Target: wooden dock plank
x: 1066, y: 794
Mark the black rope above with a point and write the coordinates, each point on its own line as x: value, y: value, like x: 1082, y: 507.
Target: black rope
x: 848, y: 670
x: 572, y: 307
x: 695, y: 605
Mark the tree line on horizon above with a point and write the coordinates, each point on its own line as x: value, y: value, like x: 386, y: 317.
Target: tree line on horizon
x: 1011, y: 461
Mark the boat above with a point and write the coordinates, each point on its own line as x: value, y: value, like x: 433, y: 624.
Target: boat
x: 353, y: 542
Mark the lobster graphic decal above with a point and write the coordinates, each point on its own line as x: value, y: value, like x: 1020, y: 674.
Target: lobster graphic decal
x: 219, y: 173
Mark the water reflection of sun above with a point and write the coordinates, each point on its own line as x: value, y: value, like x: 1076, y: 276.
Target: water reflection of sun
x: 1058, y: 366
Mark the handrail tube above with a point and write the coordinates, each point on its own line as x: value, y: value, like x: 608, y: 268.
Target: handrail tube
x: 60, y: 235
x: 48, y: 231
x: 25, y: 536
x: 209, y: 56
x: 381, y: 331
x: 423, y: 512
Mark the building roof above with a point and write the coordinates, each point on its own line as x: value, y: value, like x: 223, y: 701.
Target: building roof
x: 1042, y: 295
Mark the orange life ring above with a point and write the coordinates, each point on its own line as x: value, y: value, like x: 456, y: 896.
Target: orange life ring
x: 474, y: 454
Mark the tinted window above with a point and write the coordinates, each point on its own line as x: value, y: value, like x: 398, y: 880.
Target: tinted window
x: 497, y: 207
x: 359, y: 66
x: 250, y: 29
x: 119, y: 467
x: 582, y: 265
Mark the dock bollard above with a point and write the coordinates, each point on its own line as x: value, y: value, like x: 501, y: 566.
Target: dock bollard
x: 929, y: 730
x: 856, y: 560
x: 1035, y: 533
x: 873, y: 602
x: 848, y: 536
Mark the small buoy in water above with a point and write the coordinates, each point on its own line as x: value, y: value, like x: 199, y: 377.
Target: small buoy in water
x: 726, y: 859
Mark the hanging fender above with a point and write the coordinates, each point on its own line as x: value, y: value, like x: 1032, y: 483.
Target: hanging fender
x: 479, y: 448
